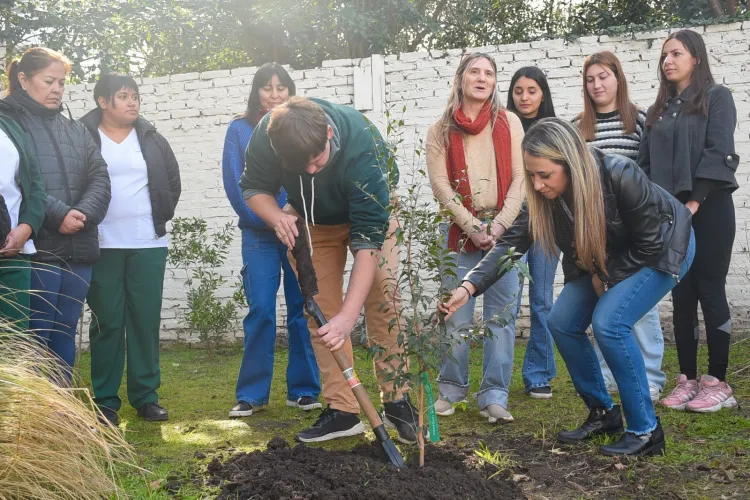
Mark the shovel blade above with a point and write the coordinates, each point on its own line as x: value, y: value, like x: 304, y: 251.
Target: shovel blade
x: 394, y: 456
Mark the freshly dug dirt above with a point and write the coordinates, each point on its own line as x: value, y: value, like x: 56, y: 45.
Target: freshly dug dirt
x: 307, y: 473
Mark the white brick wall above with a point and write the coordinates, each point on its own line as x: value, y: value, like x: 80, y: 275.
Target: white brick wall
x: 193, y: 110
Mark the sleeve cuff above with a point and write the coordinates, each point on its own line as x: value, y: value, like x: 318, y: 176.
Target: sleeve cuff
x: 249, y: 193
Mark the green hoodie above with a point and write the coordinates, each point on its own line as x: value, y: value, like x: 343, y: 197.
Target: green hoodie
x: 353, y: 187
x: 34, y: 197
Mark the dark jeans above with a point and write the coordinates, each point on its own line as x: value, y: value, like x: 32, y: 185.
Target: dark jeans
x: 264, y: 257
x: 58, y: 293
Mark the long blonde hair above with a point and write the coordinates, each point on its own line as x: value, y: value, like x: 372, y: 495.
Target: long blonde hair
x: 456, y: 98
x: 560, y: 141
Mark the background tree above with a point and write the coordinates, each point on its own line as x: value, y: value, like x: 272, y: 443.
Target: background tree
x: 157, y: 37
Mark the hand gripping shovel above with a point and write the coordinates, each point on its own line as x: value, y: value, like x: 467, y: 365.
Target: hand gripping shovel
x: 308, y: 283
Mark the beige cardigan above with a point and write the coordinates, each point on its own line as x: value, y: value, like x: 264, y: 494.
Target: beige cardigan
x: 480, y: 162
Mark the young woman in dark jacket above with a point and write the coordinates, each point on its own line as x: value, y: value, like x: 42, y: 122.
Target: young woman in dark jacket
x: 625, y: 243
x: 530, y: 98
x: 128, y: 281
x: 78, y: 193
x: 689, y: 150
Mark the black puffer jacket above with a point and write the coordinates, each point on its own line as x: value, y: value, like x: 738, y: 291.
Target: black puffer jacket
x: 646, y: 226
x: 163, y: 171
x: 75, y: 177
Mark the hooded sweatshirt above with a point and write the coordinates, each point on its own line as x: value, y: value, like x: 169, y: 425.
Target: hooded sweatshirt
x: 353, y: 187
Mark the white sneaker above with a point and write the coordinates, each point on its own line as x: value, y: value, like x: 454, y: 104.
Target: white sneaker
x: 654, y: 392
x: 445, y: 408
x: 495, y: 413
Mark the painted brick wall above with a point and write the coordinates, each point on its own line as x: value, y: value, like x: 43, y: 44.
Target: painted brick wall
x: 192, y: 110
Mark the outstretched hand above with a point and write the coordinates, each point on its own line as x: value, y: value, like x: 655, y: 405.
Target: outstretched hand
x: 459, y: 297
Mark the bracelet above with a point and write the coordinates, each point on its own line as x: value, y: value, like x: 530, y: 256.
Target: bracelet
x: 467, y: 290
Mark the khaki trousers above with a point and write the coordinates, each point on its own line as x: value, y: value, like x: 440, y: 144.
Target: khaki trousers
x: 330, y: 244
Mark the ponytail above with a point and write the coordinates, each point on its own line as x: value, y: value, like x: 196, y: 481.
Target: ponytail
x: 12, y: 71
x: 32, y: 62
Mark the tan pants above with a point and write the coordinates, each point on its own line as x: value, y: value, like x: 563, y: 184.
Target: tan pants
x: 330, y: 244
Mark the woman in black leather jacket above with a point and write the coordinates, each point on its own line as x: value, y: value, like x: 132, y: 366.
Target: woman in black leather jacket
x: 625, y: 243
x: 78, y: 193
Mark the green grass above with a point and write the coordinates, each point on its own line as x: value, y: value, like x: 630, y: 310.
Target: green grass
x: 198, y: 391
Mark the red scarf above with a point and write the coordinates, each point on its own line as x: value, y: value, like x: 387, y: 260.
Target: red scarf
x: 456, y: 164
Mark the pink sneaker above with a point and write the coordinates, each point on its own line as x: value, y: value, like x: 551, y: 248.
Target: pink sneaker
x: 682, y: 394
x: 713, y: 395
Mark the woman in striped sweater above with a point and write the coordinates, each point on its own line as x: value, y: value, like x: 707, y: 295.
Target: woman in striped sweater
x: 612, y: 123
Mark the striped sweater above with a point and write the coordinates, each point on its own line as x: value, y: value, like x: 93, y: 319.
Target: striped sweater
x: 611, y: 138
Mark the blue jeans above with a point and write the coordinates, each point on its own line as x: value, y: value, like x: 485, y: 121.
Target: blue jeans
x: 648, y: 333
x: 539, y: 362
x: 58, y: 291
x: 499, y: 318
x: 263, y: 258
x: 612, y: 318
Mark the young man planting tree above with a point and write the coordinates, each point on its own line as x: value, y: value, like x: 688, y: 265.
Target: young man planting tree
x: 331, y: 161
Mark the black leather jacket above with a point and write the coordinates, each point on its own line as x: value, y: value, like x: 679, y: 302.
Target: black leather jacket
x: 75, y: 177
x: 646, y: 226
x: 164, y: 184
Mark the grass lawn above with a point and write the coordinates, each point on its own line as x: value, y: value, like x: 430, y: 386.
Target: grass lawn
x: 708, y: 455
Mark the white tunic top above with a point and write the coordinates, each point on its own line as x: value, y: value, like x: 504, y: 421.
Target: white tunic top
x: 10, y: 184
x: 128, y: 223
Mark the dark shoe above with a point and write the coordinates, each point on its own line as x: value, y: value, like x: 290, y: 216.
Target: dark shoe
x: 639, y: 446
x: 402, y: 416
x: 332, y: 424
x: 306, y: 403
x: 152, y: 412
x: 541, y: 392
x: 242, y: 409
x: 599, y: 421
x: 108, y: 416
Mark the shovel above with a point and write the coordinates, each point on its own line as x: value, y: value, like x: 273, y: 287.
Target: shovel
x: 308, y: 283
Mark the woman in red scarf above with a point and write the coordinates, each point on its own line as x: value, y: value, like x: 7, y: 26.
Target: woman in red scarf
x: 476, y: 172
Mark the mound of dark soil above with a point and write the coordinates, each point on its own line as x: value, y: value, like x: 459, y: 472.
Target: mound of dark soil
x: 306, y: 473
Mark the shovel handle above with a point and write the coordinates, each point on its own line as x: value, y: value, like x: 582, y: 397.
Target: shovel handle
x: 358, y: 389
x: 351, y: 377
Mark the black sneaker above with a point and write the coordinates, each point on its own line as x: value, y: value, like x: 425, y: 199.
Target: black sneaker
x: 541, y: 392
x: 108, y: 416
x: 332, y: 424
x: 306, y: 403
x: 402, y: 416
x: 152, y: 412
x: 242, y: 409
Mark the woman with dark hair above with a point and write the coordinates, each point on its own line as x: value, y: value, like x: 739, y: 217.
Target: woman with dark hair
x: 263, y: 258
x: 625, y: 242
x: 127, y: 283
x: 78, y: 193
x: 612, y: 123
x: 689, y: 150
x: 476, y: 173
x: 530, y: 98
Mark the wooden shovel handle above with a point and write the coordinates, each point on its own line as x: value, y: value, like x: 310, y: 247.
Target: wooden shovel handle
x: 358, y: 389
